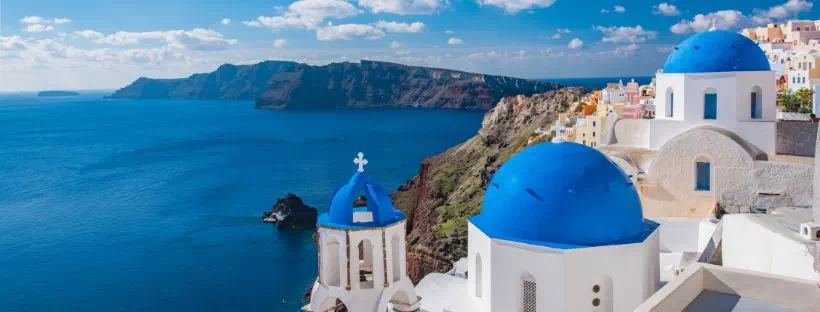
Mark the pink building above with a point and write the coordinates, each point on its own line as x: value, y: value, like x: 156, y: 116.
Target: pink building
x: 632, y: 101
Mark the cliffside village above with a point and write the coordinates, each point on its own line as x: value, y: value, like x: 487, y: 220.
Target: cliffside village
x: 692, y: 193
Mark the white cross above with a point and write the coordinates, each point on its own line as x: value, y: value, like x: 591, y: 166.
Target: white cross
x: 360, y: 161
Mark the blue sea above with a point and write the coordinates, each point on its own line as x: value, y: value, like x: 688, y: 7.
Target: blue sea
x: 598, y: 82
x: 155, y: 205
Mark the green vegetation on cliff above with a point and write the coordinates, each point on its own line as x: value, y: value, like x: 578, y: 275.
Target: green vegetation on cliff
x: 449, y: 188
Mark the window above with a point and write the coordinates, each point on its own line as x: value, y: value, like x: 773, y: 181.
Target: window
x: 593, y: 134
x: 703, y: 172
x: 756, y: 103
x: 366, y: 277
x: 670, y: 112
x: 593, y: 125
x: 332, y: 273
x: 529, y: 295
x: 710, y: 106
x: 479, y: 276
x: 395, y: 251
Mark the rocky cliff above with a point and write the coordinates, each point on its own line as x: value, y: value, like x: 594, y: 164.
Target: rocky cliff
x: 291, y: 212
x: 278, y: 85
x: 449, y: 187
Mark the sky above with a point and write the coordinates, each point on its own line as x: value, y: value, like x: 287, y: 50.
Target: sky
x: 96, y: 44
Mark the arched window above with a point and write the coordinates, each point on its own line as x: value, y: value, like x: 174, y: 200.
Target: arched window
x: 670, y: 102
x: 710, y: 104
x: 396, y: 253
x: 479, y: 275
x: 366, y: 277
x: 332, y: 268
x: 756, y: 99
x: 703, y: 174
x: 529, y: 293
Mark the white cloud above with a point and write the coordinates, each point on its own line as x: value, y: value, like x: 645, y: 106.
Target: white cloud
x: 348, y: 32
x: 252, y: 23
x: 226, y: 21
x: 454, y: 41
x: 616, y: 9
x: 576, y: 43
x: 559, y: 32
x: 396, y: 45
x: 13, y: 43
x: 195, y: 39
x: 732, y: 19
x: 625, y: 34
x: 449, y: 32
x: 89, y: 34
x: 404, y: 7
x: 624, y: 50
x: 779, y: 12
x: 400, y: 27
x: 33, y: 28
x: 42, y: 20
x: 279, y: 43
x: 33, y: 20
x: 725, y: 19
x: 306, y: 14
x: 665, y: 9
x: 514, y: 6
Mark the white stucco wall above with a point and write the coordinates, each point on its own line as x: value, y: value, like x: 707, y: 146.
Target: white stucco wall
x: 632, y: 132
x: 349, y: 289
x: 684, y: 234
x: 733, y: 91
x: 673, y: 171
x: 479, y: 244
x: 564, y: 277
x: 749, y: 245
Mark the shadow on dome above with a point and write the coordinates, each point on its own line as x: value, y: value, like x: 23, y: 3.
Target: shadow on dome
x: 562, y: 195
x: 360, y: 204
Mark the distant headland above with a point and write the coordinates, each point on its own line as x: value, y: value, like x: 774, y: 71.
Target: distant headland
x: 291, y: 85
x: 50, y: 93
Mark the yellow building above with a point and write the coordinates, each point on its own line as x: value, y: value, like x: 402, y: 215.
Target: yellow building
x: 603, y: 110
x: 587, y: 130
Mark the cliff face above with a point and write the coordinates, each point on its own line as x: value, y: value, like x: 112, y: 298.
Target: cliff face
x: 228, y: 82
x: 450, y: 186
x: 278, y: 85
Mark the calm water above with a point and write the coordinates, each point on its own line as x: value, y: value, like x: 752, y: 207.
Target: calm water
x: 113, y: 205
x: 598, y: 82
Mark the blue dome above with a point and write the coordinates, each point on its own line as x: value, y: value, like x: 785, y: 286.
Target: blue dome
x: 563, y: 195
x: 716, y: 51
x: 341, y: 210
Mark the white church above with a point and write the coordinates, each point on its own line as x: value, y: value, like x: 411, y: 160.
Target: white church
x: 572, y: 233
x: 716, y: 78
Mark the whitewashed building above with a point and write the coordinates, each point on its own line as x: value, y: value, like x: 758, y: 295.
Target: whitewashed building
x: 716, y: 78
x: 613, y: 94
x: 362, y: 252
x: 568, y: 235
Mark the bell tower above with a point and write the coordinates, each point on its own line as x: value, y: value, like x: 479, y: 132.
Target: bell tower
x: 362, y: 258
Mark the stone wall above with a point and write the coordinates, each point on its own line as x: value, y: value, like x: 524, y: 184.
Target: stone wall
x: 796, y: 138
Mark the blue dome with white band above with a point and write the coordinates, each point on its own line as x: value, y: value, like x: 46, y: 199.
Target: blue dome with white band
x: 716, y: 51
x: 562, y: 195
